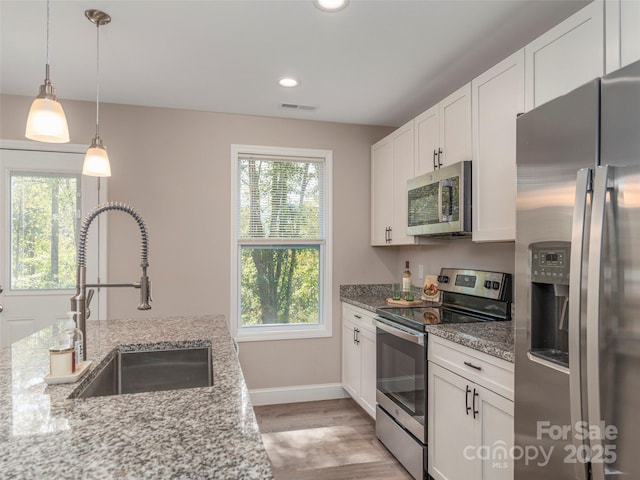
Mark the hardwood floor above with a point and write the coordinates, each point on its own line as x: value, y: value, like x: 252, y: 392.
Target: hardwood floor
x: 328, y: 440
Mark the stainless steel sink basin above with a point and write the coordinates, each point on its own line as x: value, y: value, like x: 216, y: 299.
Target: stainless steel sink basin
x: 150, y: 371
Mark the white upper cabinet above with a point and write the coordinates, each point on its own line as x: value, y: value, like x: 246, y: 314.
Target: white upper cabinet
x: 392, y: 160
x: 455, y: 126
x: 498, y: 97
x: 403, y: 161
x: 443, y: 133
x: 381, y: 190
x: 427, y: 133
x: 622, y: 33
x: 565, y: 57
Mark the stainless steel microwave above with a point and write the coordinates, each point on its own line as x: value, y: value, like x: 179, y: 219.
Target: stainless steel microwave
x: 439, y: 203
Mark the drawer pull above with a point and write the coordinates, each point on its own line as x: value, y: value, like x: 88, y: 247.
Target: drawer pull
x: 357, y: 316
x: 469, y: 364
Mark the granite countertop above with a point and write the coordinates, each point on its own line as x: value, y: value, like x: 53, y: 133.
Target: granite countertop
x: 208, y: 432
x: 493, y: 338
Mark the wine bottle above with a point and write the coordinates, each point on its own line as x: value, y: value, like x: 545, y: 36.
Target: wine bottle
x: 407, y: 292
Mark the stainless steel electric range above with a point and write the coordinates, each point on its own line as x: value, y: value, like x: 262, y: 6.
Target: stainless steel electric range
x: 401, y: 355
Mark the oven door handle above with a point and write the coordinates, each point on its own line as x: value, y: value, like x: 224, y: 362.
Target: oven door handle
x: 396, y: 331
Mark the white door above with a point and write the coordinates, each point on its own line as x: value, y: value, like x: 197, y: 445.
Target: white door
x: 43, y: 198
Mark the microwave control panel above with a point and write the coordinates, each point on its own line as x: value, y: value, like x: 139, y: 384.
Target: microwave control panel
x: 550, y: 262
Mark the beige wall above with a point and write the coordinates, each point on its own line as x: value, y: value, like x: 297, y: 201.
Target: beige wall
x: 458, y: 253
x: 173, y: 166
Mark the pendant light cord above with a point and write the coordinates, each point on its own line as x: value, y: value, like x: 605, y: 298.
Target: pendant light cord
x: 46, y: 75
x: 97, y: 79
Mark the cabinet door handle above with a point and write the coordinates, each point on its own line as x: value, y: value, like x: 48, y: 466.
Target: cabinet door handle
x: 357, y: 316
x: 439, y: 155
x: 469, y: 364
x: 357, y: 336
x: 390, y: 237
x: 475, y: 395
x: 466, y: 399
x: 435, y: 154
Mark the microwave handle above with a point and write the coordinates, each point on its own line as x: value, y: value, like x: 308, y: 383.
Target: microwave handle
x: 448, y: 185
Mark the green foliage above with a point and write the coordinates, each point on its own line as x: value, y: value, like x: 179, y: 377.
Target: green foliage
x: 285, y: 289
x: 280, y: 282
x: 43, y: 231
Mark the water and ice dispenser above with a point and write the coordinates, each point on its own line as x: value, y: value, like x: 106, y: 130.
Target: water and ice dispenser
x: 550, y: 301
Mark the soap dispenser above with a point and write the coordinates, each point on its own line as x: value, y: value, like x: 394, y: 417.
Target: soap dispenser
x: 72, y: 336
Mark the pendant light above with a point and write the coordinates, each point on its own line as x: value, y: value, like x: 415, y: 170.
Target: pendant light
x: 46, y: 121
x: 96, y: 160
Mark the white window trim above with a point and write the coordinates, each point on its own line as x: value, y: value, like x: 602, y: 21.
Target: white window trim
x: 283, y: 332
x: 102, y: 196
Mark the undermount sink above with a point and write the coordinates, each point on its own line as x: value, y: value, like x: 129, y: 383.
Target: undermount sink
x: 151, y: 371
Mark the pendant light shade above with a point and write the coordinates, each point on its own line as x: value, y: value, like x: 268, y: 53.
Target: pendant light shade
x: 46, y: 121
x: 96, y: 161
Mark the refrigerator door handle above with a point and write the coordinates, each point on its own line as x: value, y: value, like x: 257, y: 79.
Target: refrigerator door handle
x: 583, y: 181
x: 596, y: 240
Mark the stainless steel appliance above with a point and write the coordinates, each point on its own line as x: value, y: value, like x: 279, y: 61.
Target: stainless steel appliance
x: 439, y: 203
x: 401, y: 356
x: 577, y: 364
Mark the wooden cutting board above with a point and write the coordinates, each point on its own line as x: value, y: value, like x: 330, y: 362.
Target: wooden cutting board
x: 404, y: 303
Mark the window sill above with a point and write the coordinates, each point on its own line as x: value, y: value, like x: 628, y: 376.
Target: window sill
x: 262, y: 334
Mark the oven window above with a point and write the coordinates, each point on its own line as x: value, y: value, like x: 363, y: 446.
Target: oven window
x: 401, y: 373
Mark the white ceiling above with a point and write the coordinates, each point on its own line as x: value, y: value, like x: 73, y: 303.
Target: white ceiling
x: 378, y: 62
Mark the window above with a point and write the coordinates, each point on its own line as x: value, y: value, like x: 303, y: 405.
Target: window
x: 281, y: 275
x: 43, y: 225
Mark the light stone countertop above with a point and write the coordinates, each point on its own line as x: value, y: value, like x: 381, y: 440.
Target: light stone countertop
x: 196, y: 433
x: 493, y: 338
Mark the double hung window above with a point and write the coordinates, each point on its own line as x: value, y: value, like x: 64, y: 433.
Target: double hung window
x: 281, y: 276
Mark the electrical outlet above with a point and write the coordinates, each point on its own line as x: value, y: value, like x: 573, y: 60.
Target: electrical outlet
x: 420, y: 272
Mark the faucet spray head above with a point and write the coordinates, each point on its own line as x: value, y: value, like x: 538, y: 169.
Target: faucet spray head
x: 145, y: 293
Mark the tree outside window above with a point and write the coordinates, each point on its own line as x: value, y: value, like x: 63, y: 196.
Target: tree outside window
x: 281, y: 240
x: 44, y: 225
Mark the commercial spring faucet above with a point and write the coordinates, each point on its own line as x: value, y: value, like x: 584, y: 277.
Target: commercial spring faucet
x: 81, y: 300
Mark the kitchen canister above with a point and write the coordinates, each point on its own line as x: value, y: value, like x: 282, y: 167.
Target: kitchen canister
x: 61, y: 361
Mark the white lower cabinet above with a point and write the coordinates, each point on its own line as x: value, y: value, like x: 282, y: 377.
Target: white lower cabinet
x: 470, y: 426
x: 359, y: 356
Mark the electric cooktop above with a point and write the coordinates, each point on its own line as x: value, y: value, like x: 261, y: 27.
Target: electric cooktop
x: 467, y: 296
x: 419, y: 317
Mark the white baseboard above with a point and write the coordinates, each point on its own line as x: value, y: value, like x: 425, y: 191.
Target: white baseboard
x: 298, y: 393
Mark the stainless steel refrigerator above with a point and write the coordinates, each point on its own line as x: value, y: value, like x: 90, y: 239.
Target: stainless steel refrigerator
x: 577, y: 277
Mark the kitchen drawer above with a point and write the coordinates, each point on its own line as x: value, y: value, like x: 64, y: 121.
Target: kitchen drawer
x: 362, y: 318
x: 490, y: 372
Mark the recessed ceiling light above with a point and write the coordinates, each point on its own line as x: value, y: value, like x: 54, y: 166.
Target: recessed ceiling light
x: 331, y: 5
x: 288, y: 82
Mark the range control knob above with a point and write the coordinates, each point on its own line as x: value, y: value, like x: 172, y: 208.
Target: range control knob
x: 495, y: 285
x: 487, y: 284
x: 443, y: 279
